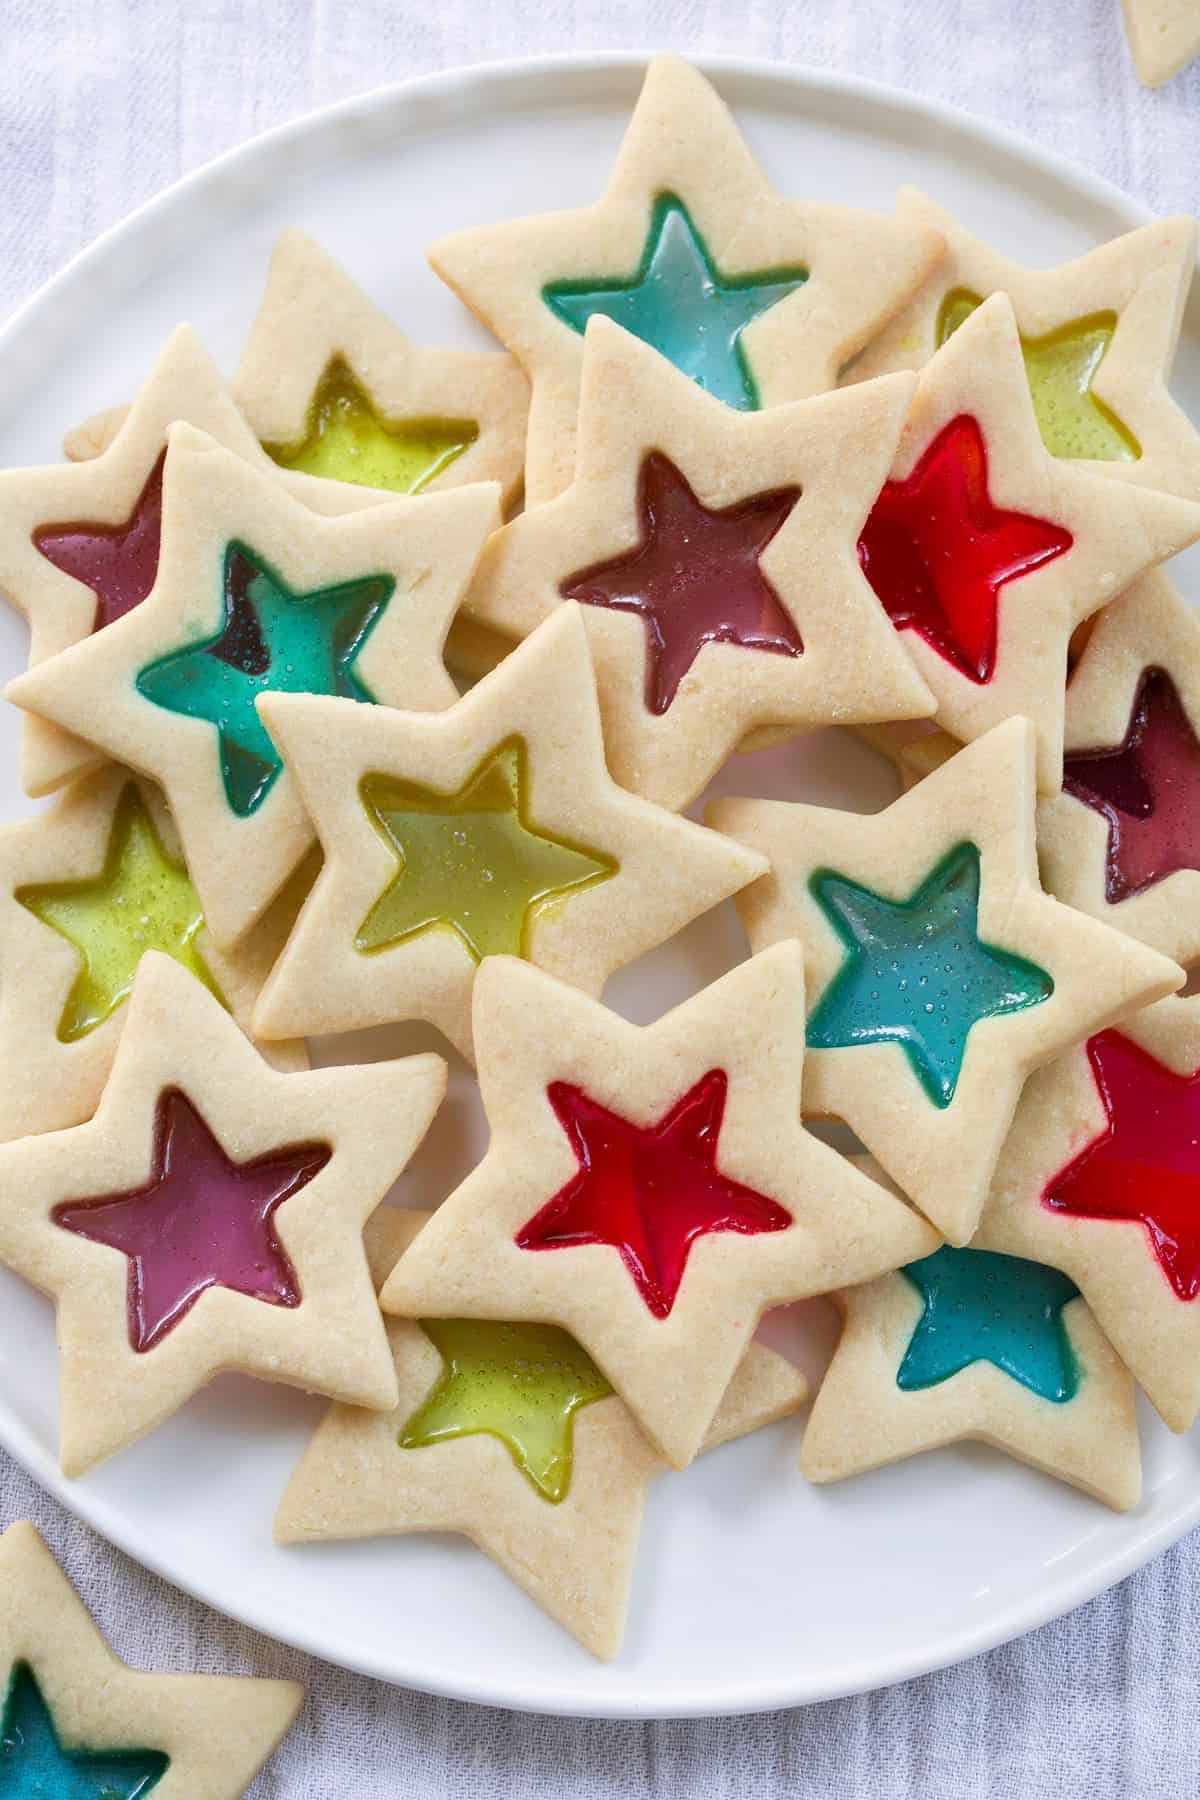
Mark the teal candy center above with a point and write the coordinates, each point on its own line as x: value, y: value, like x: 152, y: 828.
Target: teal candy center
x: 679, y: 303
x: 980, y: 1306
x: 35, y: 1766
x: 271, y: 640
x: 915, y: 972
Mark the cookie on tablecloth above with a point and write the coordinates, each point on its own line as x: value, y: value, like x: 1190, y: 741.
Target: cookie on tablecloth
x: 758, y: 298
x: 939, y: 973
x: 209, y: 1217
x: 507, y: 1433
x: 493, y: 827
x: 76, y: 1720
x: 255, y: 592
x: 1164, y: 36
x: 1122, y: 840
x: 1098, y: 337
x: 650, y: 1188
x: 986, y: 552
x: 714, y: 555
x: 86, y: 890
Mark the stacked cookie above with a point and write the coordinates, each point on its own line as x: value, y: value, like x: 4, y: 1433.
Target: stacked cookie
x: 785, y: 466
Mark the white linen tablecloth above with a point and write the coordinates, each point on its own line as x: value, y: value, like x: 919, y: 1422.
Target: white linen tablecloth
x: 103, y: 103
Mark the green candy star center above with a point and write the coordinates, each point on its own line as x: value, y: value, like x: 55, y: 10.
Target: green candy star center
x: 916, y: 972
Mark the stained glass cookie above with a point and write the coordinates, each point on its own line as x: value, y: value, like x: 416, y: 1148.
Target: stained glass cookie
x: 209, y: 1217
x: 1101, y: 1177
x: 86, y: 890
x: 650, y: 1188
x: 757, y: 298
x: 713, y: 553
x: 508, y: 1433
x: 939, y: 973
x: 256, y: 593
x: 975, y: 1343
x: 77, y: 1722
x: 1122, y: 840
x: 1098, y: 338
x: 491, y: 828
x: 986, y: 552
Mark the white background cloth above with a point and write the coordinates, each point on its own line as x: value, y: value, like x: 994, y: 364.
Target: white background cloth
x: 104, y: 102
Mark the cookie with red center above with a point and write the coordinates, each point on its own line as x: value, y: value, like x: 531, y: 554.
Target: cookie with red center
x: 1122, y: 840
x: 650, y: 1189
x: 1097, y: 334
x: 986, y: 551
x: 713, y: 554
x: 209, y: 1217
x: 508, y: 1433
x: 939, y: 973
x: 757, y: 298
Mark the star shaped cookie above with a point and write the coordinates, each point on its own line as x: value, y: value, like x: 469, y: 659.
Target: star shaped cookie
x: 714, y: 555
x: 1098, y: 337
x: 1164, y: 36
x: 331, y: 386
x: 77, y: 1722
x: 254, y: 592
x: 509, y: 1434
x: 974, y: 1343
x: 939, y: 973
x: 1101, y: 1177
x: 651, y: 1189
x: 494, y: 826
x: 757, y: 298
x: 209, y: 1217
x: 986, y: 551
x: 1122, y: 840
x: 85, y: 890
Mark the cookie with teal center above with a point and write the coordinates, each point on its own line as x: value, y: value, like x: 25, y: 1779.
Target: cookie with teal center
x: 757, y: 298
x: 255, y: 594
x: 77, y: 1724
x: 940, y: 975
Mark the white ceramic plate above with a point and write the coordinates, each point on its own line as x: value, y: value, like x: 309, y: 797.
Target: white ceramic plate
x: 752, y: 1590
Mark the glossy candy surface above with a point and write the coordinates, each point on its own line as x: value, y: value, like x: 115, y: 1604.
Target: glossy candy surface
x: 521, y: 1383
x: 118, y: 562
x: 694, y: 577
x: 36, y: 1765
x: 200, y: 1221
x: 648, y: 1192
x: 980, y: 1306
x: 347, y: 440
x: 472, y: 861
x: 916, y: 972
x: 682, y: 305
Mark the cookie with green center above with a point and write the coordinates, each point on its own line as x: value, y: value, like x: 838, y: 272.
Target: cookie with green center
x: 1164, y: 36
x: 714, y: 554
x: 85, y: 890
x: 75, y: 1721
x: 1100, y: 1177
x: 757, y: 298
x: 209, y: 1217
x: 986, y: 552
x: 493, y: 827
x: 509, y: 1434
x: 939, y: 973
x: 648, y: 1188
x: 255, y: 593
x: 976, y: 1343
x: 1122, y: 840
x: 1098, y: 336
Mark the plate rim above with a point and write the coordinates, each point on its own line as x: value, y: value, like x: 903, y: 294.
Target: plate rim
x: 1139, y: 1539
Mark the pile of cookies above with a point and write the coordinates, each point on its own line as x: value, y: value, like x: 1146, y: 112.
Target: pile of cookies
x: 785, y: 466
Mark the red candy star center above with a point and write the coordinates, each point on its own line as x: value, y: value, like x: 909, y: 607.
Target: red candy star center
x: 1147, y: 788
x: 694, y: 577
x: 118, y: 562
x: 937, y: 552
x: 1145, y: 1165
x: 200, y: 1221
x: 648, y: 1191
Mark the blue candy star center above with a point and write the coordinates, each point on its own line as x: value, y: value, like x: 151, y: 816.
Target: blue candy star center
x: 35, y: 1766
x: 980, y: 1306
